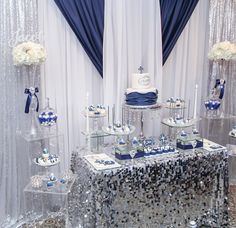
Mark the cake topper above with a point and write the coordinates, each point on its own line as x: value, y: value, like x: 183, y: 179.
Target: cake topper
x: 140, y: 69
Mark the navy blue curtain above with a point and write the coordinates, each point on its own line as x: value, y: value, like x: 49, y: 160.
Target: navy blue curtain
x: 86, y: 18
x: 174, y: 16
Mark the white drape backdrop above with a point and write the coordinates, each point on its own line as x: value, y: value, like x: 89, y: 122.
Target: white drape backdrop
x: 187, y: 63
x: 68, y: 75
x: 132, y: 37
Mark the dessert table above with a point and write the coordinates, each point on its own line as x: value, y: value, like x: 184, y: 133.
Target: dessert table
x: 168, y: 190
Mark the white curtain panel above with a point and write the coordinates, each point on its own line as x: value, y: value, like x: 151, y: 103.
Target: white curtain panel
x: 68, y: 76
x: 132, y: 37
x: 187, y: 63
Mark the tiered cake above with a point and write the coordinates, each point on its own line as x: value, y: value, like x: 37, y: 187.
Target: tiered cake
x: 141, y: 93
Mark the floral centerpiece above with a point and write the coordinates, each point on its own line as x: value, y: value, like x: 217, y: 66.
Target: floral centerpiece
x: 28, y: 53
x: 28, y: 56
x: 222, y: 51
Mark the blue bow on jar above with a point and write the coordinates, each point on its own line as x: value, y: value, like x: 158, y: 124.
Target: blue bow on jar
x: 220, y: 83
x: 31, y: 92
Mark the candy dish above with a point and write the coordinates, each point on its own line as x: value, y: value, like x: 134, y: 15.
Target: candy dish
x: 36, y: 181
x: 48, y: 116
x: 47, y: 159
x: 212, y: 104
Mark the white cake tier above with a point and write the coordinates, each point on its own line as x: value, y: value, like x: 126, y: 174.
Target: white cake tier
x: 141, y: 81
x: 149, y: 90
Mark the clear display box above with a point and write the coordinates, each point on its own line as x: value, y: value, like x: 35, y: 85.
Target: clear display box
x: 33, y: 148
x: 189, y: 143
x: 48, y: 205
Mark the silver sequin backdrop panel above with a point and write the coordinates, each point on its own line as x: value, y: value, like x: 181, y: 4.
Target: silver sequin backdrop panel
x: 222, y: 20
x: 18, y: 22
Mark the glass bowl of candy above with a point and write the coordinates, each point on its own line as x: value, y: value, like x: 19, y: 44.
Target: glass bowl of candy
x: 212, y: 104
x: 47, y: 116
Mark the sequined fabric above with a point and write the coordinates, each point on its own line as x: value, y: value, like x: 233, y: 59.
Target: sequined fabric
x: 222, y: 22
x: 166, y: 191
x: 18, y: 22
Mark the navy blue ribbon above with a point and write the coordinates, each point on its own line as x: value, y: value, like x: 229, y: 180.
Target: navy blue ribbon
x: 221, y: 86
x: 140, y: 99
x: 29, y: 99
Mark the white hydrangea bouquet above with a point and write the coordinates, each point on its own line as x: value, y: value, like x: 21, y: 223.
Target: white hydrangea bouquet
x: 28, y: 53
x: 222, y: 51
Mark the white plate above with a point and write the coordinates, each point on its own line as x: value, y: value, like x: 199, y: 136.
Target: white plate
x: 112, y: 132
x: 211, y: 146
x: 138, y: 107
x: 190, y: 123
x: 48, y: 164
x: 92, y: 160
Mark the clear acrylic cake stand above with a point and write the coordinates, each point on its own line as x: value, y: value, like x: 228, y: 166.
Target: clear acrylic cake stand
x: 95, y: 134
x: 119, y: 135
x: 46, y: 172
x: 175, y: 128
x: 131, y: 109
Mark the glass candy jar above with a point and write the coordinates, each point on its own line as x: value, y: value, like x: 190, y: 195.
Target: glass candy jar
x: 213, y: 103
x: 48, y: 116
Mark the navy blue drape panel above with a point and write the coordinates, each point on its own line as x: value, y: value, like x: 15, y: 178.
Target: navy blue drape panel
x: 86, y: 18
x: 174, y: 16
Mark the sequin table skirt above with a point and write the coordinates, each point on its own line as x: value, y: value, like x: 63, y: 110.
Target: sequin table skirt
x: 162, y: 191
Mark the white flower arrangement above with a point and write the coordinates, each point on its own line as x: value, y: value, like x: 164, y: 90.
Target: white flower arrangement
x: 28, y: 53
x: 223, y: 51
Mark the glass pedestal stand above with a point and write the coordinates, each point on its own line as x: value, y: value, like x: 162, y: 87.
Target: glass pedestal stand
x: 137, y: 113
x: 95, y: 136
x: 46, y: 173
x: 186, y: 142
x: 95, y: 141
x: 121, y: 146
x: 174, y: 129
x: 214, y: 114
x: 177, y: 119
x: 33, y: 148
x: 37, y: 199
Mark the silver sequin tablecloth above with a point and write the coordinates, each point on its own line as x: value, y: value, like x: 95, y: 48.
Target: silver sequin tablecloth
x: 159, y: 191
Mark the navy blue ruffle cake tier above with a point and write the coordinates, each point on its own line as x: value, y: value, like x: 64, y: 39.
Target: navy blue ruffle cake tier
x: 141, y: 99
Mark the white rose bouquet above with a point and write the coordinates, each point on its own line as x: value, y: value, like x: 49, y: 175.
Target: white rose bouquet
x: 28, y: 53
x: 223, y: 51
